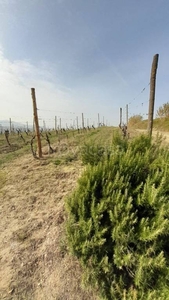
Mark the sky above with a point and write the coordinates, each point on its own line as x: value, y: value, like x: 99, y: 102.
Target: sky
x: 81, y: 56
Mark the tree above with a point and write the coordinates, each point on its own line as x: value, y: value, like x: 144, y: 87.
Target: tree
x: 118, y: 222
x: 163, y: 111
x: 134, y: 120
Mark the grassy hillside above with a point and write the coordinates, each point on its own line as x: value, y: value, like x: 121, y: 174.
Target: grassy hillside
x: 158, y: 124
x: 18, y: 147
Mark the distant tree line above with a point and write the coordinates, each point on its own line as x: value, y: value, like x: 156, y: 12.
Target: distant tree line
x: 162, y: 112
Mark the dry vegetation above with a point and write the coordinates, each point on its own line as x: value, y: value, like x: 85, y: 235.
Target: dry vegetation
x: 34, y: 259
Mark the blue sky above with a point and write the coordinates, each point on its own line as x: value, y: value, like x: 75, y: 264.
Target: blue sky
x: 90, y: 56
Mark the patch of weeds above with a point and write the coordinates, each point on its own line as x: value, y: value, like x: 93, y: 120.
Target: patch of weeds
x: 69, y: 158
x: 93, y: 133
x: 63, y: 247
x: 21, y: 235
x: 9, y: 156
x: 2, y: 179
x: 118, y: 142
x: 92, y: 154
x: 57, y: 162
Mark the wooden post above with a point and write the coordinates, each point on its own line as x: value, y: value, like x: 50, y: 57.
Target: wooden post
x: 127, y: 119
x: 82, y: 121
x: 33, y: 127
x: 60, y: 123
x: 10, y: 125
x: 27, y: 127
x: 77, y: 122
x: 44, y: 125
x: 103, y: 121
x: 120, y: 116
x: 36, y: 122
x: 152, y: 93
x: 1, y: 129
x: 98, y: 120
x: 55, y: 123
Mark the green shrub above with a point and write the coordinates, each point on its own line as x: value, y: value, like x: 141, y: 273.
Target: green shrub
x: 92, y: 154
x: 69, y: 158
x: 118, y: 223
x: 57, y: 162
x: 118, y: 142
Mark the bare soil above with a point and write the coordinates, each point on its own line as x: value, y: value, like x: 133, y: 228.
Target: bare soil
x: 34, y: 261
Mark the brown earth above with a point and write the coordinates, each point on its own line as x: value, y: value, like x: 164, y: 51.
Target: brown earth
x: 34, y: 261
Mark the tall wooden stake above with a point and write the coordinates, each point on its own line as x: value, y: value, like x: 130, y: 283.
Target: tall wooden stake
x: 36, y: 122
x: 127, y: 112
x: 82, y: 121
x: 10, y: 125
x: 77, y: 122
x: 60, y: 123
x: 33, y: 125
x: 120, y: 116
x: 98, y: 120
x: 55, y: 123
x: 44, y: 125
x: 152, y: 93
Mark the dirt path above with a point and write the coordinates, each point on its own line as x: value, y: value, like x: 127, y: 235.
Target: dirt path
x: 34, y: 263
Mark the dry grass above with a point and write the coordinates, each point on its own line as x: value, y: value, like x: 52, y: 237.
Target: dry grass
x: 34, y: 261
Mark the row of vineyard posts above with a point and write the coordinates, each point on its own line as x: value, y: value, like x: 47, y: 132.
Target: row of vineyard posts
x: 151, y: 100
x: 37, y: 135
